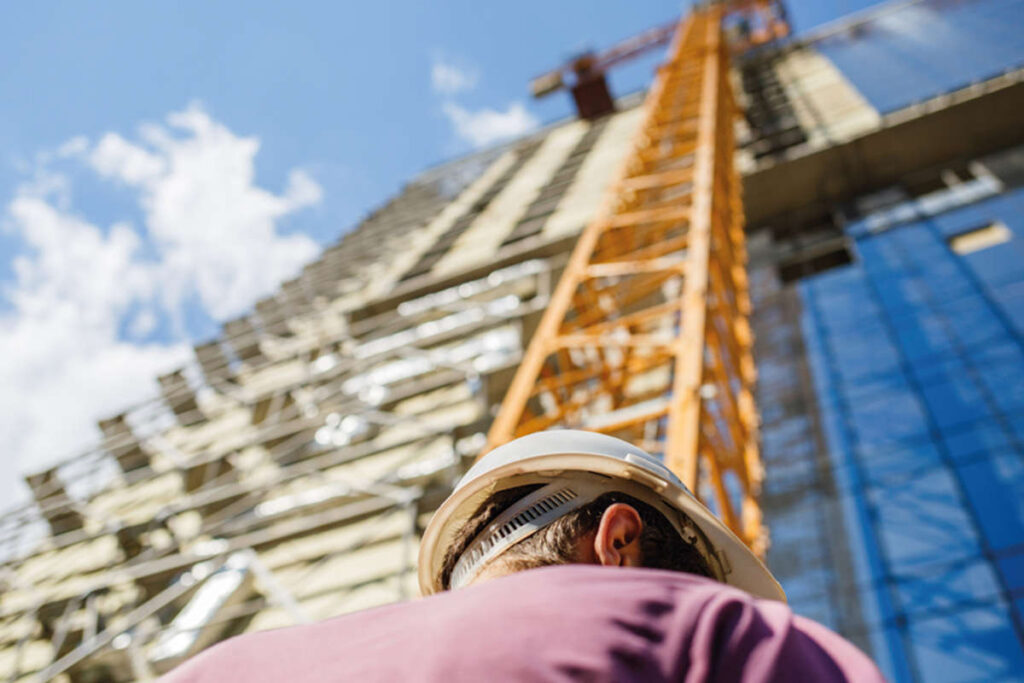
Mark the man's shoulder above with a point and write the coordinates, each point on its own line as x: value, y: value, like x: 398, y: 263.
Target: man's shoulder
x: 590, y: 616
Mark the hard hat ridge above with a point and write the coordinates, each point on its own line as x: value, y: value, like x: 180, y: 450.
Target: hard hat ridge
x: 556, y: 441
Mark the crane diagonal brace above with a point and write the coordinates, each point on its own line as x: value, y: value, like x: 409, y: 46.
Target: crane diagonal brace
x: 652, y: 307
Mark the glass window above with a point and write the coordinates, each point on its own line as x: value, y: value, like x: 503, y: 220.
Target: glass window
x: 974, y: 439
x: 928, y: 48
x: 887, y: 465
x: 994, y: 486
x: 888, y: 417
x: 968, y: 645
x: 953, y: 400
x: 944, y: 587
x: 1012, y: 568
x: 922, y: 519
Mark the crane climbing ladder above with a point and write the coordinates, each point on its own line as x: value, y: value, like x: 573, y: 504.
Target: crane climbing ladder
x: 647, y: 335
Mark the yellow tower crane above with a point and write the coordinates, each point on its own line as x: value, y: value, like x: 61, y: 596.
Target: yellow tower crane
x: 647, y: 334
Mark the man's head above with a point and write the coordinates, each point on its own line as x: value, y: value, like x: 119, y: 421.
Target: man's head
x: 569, y: 496
x: 616, y: 529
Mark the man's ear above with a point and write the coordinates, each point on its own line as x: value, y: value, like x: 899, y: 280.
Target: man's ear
x: 617, y: 541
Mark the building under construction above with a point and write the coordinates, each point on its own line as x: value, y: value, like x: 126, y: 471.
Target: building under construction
x: 286, y: 475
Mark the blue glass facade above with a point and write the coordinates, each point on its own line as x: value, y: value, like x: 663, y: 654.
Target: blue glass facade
x: 917, y: 357
x: 915, y: 51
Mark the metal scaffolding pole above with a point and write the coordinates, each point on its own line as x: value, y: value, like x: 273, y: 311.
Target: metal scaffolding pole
x: 647, y: 335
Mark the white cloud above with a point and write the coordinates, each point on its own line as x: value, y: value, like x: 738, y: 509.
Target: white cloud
x: 479, y: 127
x: 447, y: 78
x: 217, y: 230
x: 73, y: 147
x: 82, y: 296
x: 142, y: 323
x: 115, y: 157
x: 302, y: 190
x: 62, y: 366
x: 487, y: 126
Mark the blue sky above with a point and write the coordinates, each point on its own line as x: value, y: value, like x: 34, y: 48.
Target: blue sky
x: 163, y: 165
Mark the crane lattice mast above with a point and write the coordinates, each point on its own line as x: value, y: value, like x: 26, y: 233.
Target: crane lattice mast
x: 647, y: 334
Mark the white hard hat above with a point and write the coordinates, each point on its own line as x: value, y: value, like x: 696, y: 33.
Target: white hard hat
x: 575, y: 467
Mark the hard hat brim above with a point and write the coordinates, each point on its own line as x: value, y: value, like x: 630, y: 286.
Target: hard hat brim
x: 741, y: 567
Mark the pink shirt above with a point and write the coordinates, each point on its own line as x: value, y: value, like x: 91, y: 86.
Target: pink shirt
x: 566, y: 623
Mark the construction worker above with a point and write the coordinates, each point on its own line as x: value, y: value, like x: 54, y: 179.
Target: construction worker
x: 562, y: 556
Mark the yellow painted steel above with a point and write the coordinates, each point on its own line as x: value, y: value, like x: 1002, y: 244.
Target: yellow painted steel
x: 647, y: 334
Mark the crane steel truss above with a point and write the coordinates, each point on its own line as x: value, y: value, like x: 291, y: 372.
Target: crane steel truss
x: 647, y: 334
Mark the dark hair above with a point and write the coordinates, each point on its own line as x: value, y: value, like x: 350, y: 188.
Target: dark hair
x: 661, y: 545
